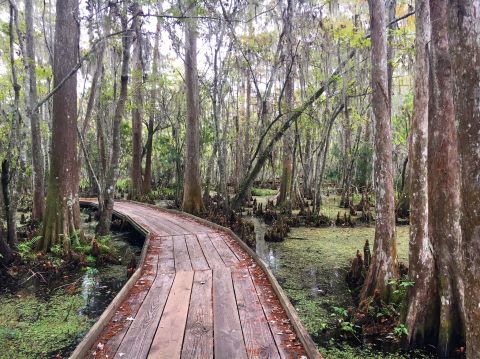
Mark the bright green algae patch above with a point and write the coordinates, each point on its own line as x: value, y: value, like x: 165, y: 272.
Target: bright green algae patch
x: 31, y: 327
x: 311, y: 265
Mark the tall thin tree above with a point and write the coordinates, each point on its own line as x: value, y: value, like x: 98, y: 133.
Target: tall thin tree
x: 137, y: 113
x: 38, y: 166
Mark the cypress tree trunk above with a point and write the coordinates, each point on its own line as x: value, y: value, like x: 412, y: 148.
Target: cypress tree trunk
x: 384, y: 260
x: 287, y: 161
x: 106, y: 197
x: 147, y: 178
x: 38, y: 166
x: 62, y: 198
x: 137, y: 115
x: 420, y: 318
x: 192, y: 192
x: 465, y: 17
x: 444, y: 184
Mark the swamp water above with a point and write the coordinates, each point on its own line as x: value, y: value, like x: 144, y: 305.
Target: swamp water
x: 311, y: 265
x: 48, y: 321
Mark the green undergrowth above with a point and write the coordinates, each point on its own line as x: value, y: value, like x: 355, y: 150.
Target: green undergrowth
x: 348, y: 352
x: 31, y: 327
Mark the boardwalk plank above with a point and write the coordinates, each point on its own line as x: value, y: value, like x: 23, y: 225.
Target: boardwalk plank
x: 168, y: 340
x: 282, y: 332
x: 167, y: 261
x: 182, y: 259
x: 112, y: 339
x: 213, y: 258
x: 198, y: 342
x: 228, y: 338
x: 223, y: 250
x: 197, y: 257
x: 136, y: 342
x: 256, y: 331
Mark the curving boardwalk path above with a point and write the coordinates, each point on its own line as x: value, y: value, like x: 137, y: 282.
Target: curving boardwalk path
x: 198, y: 294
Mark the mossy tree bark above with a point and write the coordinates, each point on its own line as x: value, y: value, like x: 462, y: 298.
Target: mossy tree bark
x: 192, y: 192
x: 464, y: 18
x: 384, y: 260
x: 59, y: 222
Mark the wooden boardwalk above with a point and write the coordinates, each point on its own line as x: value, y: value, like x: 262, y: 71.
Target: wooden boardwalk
x: 198, y: 294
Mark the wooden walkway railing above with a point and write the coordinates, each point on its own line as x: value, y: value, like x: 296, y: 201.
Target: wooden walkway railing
x: 199, y: 292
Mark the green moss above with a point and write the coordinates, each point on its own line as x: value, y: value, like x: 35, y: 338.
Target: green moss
x: 33, y: 328
x: 263, y: 192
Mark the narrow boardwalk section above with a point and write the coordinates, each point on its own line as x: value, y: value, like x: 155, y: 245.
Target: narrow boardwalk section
x: 200, y: 295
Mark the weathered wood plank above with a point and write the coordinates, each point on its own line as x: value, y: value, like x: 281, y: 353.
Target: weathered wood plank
x: 198, y: 341
x: 168, y: 339
x: 223, y: 250
x: 111, y: 338
x: 286, y: 340
x: 180, y: 251
x: 136, y: 342
x: 256, y: 331
x: 197, y: 257
x: 213, y: 258
x: 228, y: 337
x: 166, y: 256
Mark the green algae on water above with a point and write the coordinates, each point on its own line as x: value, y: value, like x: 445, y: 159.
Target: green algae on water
x: 31, y: 327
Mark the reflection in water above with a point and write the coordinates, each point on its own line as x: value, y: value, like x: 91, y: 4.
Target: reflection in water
x: 305, y: 269
x: 263, y: 248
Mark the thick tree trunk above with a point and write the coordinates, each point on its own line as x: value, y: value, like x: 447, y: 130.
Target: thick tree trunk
x: 384, y: 260
x: 444, y: 184
x: 192, y: 192
x: 421, y: 319
x: 137, y: 115
x: 465, y: 17
x: 62, y: 198
x: 38, y: 166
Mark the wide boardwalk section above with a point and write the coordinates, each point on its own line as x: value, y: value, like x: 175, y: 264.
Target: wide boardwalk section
x: 198, y: 294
